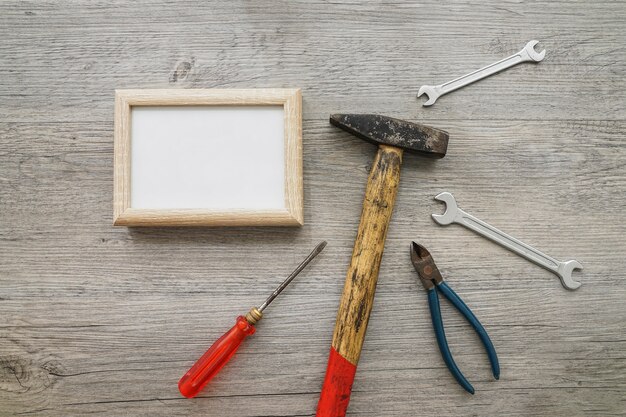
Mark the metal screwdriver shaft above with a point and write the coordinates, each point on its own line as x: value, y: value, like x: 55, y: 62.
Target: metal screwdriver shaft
x: 225, y: 347
x: 294, y: 274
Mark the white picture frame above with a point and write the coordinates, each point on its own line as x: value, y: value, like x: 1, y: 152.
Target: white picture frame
x: 208, y: 157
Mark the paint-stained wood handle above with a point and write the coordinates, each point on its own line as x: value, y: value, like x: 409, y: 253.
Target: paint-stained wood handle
x: 358, y: 292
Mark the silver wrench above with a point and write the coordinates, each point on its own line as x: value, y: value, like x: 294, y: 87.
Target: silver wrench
x: 527, y: 54
x: 454, y: 214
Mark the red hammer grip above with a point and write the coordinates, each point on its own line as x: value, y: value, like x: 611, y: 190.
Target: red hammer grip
x: 337, y: 386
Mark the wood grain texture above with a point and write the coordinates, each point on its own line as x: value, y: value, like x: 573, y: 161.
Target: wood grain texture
x: 97, y: 320
x: 125, y: 215
x: 360, y: 285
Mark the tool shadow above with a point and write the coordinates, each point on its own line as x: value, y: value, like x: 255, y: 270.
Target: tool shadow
x: 221, y: 235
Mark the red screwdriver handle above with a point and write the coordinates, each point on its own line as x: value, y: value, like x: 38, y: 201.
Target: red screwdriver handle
x: 215, y: 358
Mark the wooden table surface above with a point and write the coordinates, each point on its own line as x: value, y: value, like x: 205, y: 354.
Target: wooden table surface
x: 98, y: 320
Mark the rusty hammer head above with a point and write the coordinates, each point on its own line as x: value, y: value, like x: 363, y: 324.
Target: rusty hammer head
x: 383, y: 130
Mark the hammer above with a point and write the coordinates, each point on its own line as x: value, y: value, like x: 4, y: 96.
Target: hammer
x: 392, y: 136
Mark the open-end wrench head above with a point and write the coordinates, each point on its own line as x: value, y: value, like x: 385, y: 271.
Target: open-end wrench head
x: 532, y: 54
x: 430, y: 92
x: 565, y: 273
x: 451, y: 212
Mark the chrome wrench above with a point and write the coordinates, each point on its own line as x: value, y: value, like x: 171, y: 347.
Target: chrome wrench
x: 527, y: 54
x: 454, y: 214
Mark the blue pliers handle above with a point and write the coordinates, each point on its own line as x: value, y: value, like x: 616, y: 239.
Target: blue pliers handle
x: 433, y: 282
x: 435, y: 313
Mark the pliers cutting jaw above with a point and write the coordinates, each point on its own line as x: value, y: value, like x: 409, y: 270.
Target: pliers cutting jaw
x: 433, y: 281
x: 425, y: 266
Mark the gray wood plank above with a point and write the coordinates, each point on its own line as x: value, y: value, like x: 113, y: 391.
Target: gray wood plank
x: 96, y: 320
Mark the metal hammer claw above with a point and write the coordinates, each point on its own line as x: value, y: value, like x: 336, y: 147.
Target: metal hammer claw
x: 454, y: 214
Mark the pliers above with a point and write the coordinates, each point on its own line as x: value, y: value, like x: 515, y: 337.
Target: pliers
x: 431, y: 279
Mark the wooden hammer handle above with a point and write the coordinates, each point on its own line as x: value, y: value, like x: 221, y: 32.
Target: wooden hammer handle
x: 358, y: 291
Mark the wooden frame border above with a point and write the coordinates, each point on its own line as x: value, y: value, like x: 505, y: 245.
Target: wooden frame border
x: 290, y: 99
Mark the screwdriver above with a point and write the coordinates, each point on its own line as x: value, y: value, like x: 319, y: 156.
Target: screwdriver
x: 225, y: 347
